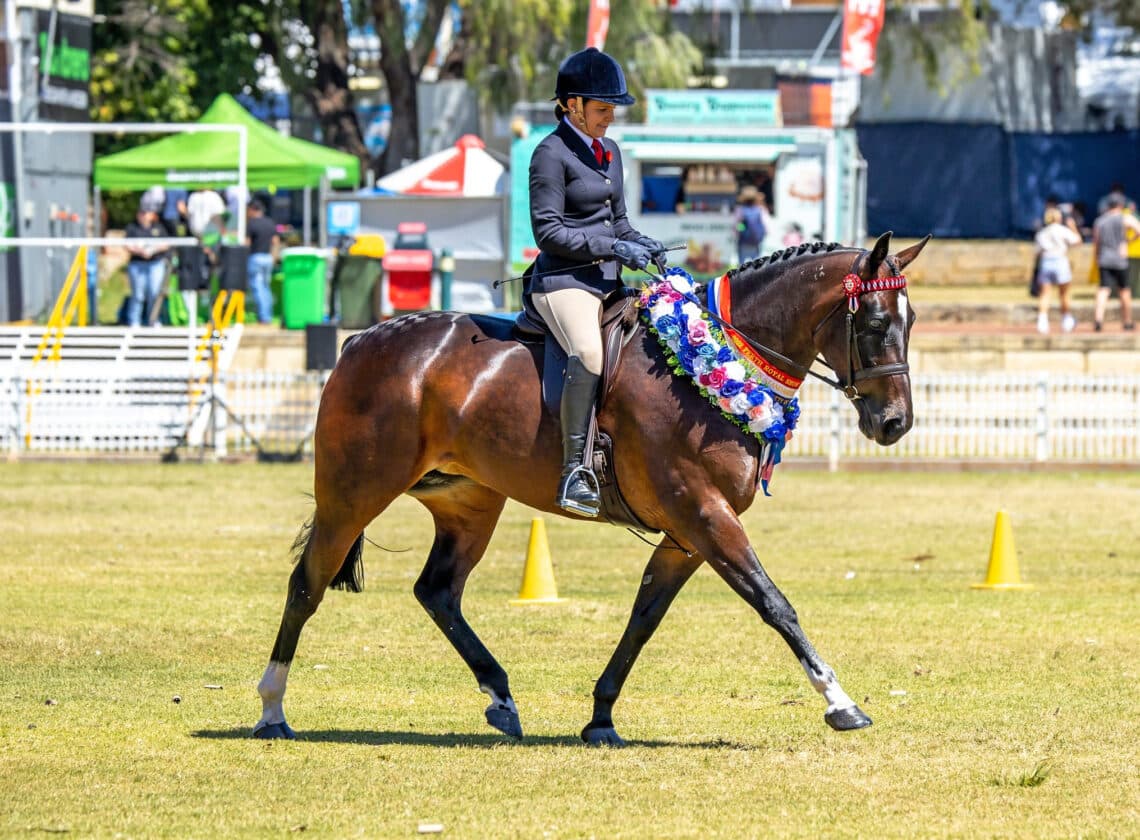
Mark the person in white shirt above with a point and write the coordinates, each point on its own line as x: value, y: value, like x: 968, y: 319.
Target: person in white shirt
x: 201, y: 208
x: 1053, y: 242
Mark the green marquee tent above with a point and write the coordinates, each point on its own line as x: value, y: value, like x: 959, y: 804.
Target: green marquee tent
x: 210, y: 160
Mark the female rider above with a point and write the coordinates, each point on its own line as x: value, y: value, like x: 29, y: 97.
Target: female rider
x: 577, y: 212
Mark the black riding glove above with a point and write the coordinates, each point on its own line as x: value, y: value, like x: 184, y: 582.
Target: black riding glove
x: 632, y: 254
x: 656, y: 248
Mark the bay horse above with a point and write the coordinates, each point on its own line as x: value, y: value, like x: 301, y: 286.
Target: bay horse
x: 430, y: 405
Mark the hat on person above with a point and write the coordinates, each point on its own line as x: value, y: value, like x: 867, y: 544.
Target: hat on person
x: 748, y: 193
x: 591, y: 74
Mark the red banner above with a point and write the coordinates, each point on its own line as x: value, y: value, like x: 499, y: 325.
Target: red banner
x: 862, y: 23
x: 598, y: 24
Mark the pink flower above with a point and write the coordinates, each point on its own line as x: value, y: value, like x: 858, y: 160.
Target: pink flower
x: 698, y: 332
x: 716, y: 379
x: 749, y: 386
x: 725, y: 404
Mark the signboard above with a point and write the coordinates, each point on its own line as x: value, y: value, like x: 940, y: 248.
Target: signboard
x: 862, y: 23
x: 64, y: 71
x: 752, y: 108
x: 343, y: 218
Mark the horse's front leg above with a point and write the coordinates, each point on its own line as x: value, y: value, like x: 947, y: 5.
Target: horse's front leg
x: 668, y: 570
x: 725, y: 546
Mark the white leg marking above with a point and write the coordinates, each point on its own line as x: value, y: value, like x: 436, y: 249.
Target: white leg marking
x: 497, y: 701
x: 272, y: 691
x: 827, y: 685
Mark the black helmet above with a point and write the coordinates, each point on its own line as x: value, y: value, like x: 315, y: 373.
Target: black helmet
x: 591, y: 74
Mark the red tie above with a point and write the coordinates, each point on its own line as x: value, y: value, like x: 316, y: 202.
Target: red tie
x: 597, y: 147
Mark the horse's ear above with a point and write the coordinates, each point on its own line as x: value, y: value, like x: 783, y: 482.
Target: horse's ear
x: 906, y: 256
x: 878, y: 253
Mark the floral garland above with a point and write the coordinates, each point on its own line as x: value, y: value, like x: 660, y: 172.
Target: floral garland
x: 696, y: 348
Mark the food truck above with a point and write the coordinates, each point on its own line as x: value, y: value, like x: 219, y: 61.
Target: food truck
x: 686, y: 166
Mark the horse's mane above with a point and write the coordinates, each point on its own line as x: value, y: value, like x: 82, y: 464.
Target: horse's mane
x: 784, y: 256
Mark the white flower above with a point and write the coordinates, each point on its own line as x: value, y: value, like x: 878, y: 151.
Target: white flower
x: 734, y: 370
x: 691, y: 309
x: 703, y: 364
x: 740, y: 404
x: 680, y: 283
x: 660, y: 310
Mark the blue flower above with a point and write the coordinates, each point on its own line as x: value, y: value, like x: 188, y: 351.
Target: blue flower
x: 706, y: 350
x: 668, y: 326
x: 686, y: 355
x: 757, y: 396
x: 731, y: 388
x: 776, y: 432
x: 725, y: 355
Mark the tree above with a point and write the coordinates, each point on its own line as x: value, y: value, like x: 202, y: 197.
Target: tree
x: 401, y: 64
x: 142, y: 67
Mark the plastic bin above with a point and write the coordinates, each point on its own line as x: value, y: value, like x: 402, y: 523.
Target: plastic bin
x: 357, y: 291
x: 303, y: 292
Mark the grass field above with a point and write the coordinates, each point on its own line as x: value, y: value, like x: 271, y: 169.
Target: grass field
x: 126, y: 587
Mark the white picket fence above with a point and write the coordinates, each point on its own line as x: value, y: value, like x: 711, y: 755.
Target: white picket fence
x: 987, y: 417
x: 958, y: 417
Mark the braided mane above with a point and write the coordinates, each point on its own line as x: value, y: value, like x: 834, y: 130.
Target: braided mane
x: 784, y: 255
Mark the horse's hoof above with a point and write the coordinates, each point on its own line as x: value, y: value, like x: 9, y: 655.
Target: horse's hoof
x: 844, y: 720
x: 505, y: 720
x: 275, y: 731
x: 602, y: 736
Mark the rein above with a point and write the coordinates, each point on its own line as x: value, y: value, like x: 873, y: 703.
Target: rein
x: 853, y: 288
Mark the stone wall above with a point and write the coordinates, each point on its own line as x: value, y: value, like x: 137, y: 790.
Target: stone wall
x: 982, y: 262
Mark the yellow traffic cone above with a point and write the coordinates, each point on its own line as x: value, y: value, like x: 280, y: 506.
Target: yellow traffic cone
x: 538, y: 574
x: 1003, y: 572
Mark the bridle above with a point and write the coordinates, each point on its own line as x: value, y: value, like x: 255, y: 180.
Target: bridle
x: 854, y: 287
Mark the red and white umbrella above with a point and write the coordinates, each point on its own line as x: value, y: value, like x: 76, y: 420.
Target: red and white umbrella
x: 463, y: 170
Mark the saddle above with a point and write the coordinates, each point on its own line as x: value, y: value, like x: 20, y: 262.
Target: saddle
x: 619, y: 324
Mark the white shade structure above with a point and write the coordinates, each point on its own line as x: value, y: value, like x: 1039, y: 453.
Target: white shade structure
x: 466, y: 169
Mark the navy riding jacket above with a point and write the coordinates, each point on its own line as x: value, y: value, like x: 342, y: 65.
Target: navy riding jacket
x: 577, y: 211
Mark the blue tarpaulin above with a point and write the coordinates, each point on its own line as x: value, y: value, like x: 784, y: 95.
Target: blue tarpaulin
x: 979, y: 181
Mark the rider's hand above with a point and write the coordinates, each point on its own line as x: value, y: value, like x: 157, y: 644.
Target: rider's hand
x: 632, y: 254
x: 655, y: 247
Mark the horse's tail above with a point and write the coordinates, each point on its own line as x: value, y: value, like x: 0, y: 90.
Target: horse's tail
x: 351, y: 575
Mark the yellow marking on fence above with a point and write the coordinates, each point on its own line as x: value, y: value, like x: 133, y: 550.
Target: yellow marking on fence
x: 70, y: 304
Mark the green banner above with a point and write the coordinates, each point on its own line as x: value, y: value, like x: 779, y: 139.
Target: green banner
x: 754, y: 108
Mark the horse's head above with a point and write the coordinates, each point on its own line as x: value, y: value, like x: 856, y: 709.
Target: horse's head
x: 864, y: 338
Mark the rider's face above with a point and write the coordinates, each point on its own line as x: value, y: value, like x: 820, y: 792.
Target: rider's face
x: 590, y: 116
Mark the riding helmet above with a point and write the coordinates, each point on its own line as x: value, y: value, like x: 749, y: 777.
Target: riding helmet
x: 591, y: 74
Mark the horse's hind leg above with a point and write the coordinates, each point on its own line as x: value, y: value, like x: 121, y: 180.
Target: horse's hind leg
x: 333, y: 542
x: 465, y: 517
x: 668, y: 570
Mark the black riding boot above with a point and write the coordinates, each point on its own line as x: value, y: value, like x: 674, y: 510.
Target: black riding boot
x: 576, y: 490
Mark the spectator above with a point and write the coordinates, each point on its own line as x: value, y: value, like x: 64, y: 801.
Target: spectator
x: 1068, y: 213
x: 1111, y: 234
x: 202, y: 208
x: 147, y: 267
x: 1116, y: 191
x: 174, y: 212
x: 153, y: 199
x: 1053, y: 268
x: 261, y: 236
x: 750, y: 231
x: 793, y: 235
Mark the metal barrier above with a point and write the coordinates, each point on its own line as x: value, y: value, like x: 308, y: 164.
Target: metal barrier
x: 958, y: 417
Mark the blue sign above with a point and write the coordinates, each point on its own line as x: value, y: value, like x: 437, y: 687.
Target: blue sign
x: 343, y: 218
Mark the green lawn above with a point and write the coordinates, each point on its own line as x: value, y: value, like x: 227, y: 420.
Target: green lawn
x: 140, y: 602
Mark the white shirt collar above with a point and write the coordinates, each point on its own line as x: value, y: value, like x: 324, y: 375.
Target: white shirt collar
x: 586, y: 138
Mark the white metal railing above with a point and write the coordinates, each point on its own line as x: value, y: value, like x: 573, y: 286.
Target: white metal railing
x: 996, y: 417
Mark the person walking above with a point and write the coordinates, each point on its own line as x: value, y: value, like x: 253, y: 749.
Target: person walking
x: 1054, y: 269
x: 1111, y: 233
x: 261, y: 236
x: 146, y: 269
x: 578, y: 215
x: 750, y: 230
